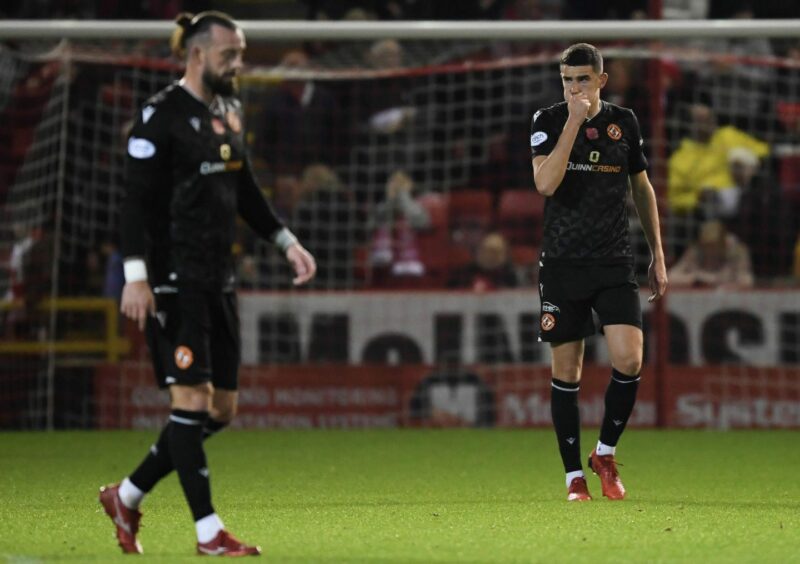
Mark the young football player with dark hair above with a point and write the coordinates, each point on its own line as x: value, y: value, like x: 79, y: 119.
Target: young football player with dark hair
x: 586, y: 154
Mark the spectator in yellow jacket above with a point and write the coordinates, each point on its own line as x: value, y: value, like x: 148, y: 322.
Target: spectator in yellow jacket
x: 699, y: 168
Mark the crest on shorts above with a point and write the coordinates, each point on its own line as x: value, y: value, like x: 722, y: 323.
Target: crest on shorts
x: 614, y: 131
x: 218, y: 126
x: 184, y: 357
x: 548, y: 322
x: 234, y: 122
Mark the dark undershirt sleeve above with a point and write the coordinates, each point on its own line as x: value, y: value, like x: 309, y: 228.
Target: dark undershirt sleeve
x: 253, y: 206
x: 637, y: 162
x: 147, y: 172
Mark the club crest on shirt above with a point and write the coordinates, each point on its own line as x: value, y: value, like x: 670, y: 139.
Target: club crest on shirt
x: 548, y: 322
x: 218, y: 126
x: 614, y: 132
x: 234, y: 122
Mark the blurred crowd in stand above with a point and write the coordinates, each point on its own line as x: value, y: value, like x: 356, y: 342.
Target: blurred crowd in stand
x: 404, y: 181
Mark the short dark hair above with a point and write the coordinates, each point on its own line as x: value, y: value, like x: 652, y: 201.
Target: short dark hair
x: 581, y: 54
x: 191, y: 26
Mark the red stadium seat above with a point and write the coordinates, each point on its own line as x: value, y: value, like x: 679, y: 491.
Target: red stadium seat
x: 471, y: 205
x: 790, y: 178
x: 520, y: 216
x: 526, y: 261
x: 789, y: 114
x: 437, y: 207
x: 471, y: 216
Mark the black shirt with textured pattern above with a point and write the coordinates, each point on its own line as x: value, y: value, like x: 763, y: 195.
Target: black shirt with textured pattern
x: 188, y: 176
x: 586, y: 219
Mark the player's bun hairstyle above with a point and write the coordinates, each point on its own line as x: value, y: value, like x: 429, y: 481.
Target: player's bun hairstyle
x: 582, y: 54
x: 190, y: 25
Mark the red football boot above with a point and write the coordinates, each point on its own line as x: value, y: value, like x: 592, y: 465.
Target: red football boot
x: 126, y: 520
x: 606, y: 468
x: 225, y: 544
x: 578, y: 490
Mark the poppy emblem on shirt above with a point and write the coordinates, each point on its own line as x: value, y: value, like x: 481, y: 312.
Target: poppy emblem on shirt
x: 614, y: 132
x: 548, y: 322
x: 184, y: 357
x: 591, y: 133
x: 234, y: 122
x: 218, y: 126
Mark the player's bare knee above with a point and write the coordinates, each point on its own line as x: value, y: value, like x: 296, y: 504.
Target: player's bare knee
x: 629, y: 365
x: 224, y: 413
x: 192, y: 398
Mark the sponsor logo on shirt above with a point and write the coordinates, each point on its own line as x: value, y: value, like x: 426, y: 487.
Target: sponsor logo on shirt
x: 207, y: 168
x: 140, y: 148
x: 582, y: 167
x: 538, y: 138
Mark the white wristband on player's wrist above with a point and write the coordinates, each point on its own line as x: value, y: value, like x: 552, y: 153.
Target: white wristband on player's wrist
x: 135, y: 270
x: 284, y: 239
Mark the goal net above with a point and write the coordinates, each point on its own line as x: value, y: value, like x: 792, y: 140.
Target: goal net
x: 404, y: 167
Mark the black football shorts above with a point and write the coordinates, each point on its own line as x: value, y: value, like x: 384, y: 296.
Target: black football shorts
x: 194, y: 338
x: 569, y: 292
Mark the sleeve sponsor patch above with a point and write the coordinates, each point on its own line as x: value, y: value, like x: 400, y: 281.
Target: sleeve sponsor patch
x: 538, y: 138
x: 140, y: 148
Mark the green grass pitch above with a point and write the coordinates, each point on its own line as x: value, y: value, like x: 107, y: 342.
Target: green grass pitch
x: 416, y: 496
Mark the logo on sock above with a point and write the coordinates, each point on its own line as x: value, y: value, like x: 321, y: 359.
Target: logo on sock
x: 617, y: 422
x: 183, y: 357
x: 203, y: 472
x: 571, y: 440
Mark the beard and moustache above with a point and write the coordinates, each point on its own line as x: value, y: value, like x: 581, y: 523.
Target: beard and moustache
x: 224, y: 85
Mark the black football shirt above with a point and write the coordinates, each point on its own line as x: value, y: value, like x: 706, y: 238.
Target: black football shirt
x: 188, y: 177
x: 586, y: 219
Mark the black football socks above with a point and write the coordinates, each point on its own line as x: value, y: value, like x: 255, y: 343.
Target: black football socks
x: 158, y: 463
x: 567, y: 422
x: 620, y: 399
x: 189, y: 458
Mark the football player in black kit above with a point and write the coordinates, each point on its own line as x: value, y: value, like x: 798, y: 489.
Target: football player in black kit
x: 188, y: 179
x: 585, y: 155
